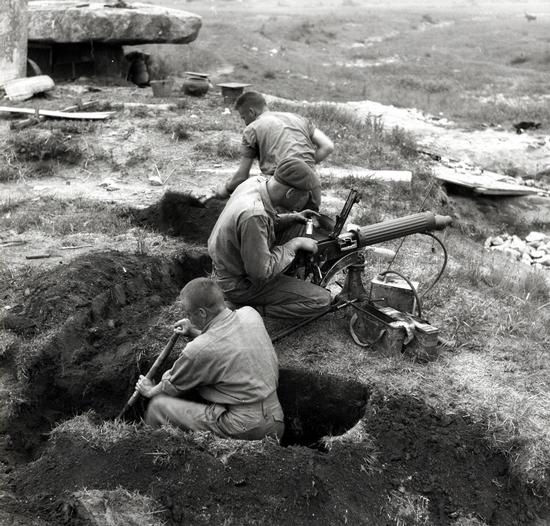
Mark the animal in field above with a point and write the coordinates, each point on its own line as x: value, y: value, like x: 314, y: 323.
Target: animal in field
x: 520, y: 127
x: 529, y: 17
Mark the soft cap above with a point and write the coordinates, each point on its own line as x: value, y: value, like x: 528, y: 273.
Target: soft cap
x: 296, y: 174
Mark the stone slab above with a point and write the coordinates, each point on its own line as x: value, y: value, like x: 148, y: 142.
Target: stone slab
x: 64, y: 22
x: 485, y: 183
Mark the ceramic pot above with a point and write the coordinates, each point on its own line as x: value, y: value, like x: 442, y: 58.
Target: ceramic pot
x: 195, y: 84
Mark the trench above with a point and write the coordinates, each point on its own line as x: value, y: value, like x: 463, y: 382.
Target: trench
x: 102, y: 326
x: 100, y: 314
x: 318, y: 405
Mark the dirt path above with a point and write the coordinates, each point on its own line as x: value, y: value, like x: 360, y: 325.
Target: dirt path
x: 489, y: 149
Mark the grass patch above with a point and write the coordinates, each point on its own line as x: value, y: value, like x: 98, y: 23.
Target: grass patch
x: 69, y: 127
x: 178, y: 128
x: 41, y: 145
x: 504, y: 277
x: 58, y: 217
x: 99, y: 434
x: 119, y: 506
x: 360, y: 142
x: 10, y: 169
x: 225, y: 147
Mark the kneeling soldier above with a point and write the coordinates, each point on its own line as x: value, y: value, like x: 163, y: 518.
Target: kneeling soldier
x: 230, y: 363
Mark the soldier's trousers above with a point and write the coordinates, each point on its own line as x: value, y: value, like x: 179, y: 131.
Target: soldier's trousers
x: 282, y: 297
x: 244, y: 421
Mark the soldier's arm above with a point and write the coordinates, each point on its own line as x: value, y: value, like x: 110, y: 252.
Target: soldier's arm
x: 323, y: 145
x: 242, y: 173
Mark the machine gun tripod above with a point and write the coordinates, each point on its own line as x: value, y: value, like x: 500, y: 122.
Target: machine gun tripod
x: 339, y: 252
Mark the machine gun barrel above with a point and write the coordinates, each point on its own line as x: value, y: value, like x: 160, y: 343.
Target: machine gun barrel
x: 401, y: 226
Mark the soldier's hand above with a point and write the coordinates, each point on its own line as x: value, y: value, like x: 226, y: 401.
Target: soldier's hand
x: 183, y: 327
x: 304, y: 243
x: 145, y: 386
x: 304, y: 215
x: 221, y: 192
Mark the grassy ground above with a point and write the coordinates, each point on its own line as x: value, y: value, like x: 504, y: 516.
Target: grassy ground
x: 470, y: 62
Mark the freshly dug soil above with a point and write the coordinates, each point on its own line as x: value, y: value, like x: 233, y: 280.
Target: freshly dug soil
x: 180, y: 214
x: 371, y: 458
x: 87, y: 327
x: 400, y: 462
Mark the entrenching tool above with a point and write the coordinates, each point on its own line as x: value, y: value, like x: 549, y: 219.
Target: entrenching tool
x: 152, y: 371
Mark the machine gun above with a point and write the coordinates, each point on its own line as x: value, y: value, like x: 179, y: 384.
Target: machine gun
x: 338, y: 250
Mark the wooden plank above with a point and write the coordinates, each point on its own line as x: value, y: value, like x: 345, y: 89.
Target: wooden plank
x: 503, y: 191
x: 85, y: 115
x: 485, y: 183
x: 32, y: 120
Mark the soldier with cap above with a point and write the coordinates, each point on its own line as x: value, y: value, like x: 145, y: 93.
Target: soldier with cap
x: 249, y: 247
x: 272, y: 136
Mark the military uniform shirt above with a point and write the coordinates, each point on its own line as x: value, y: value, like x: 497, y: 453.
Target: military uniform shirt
x: 275, y: 136
x: 242, y: 242
x: 232, y: 362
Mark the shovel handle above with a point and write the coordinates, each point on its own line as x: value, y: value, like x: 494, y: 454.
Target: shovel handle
x: 152, y: 371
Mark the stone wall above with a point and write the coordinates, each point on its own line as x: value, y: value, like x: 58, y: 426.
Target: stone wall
x: 13, y: 38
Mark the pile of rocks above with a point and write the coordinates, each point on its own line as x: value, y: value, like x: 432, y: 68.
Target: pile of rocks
x: 533, y: 250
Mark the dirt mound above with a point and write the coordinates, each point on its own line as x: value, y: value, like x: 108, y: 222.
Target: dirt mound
x: 446, y: 459
x: 180, y: 214
x: 94, y: 323
x: 402, y: 463
x: 94, y: 283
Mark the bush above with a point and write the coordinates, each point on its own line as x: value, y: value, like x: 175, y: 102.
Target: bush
x: 177, y: 128
x: 45, y: 145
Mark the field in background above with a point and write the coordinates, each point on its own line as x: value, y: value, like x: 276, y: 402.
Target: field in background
x: 480, y: 63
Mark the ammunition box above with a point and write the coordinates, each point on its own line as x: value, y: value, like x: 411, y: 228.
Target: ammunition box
x: 392, y: 333
x: 393, y: 291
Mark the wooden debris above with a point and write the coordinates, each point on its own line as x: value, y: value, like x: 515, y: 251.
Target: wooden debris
x: 26, y: 87
x: 12, y: 244
x: 32, y: 120
x: 82, y: 115
x: 38, y: 256
x: 485, y: 182
x: 158, y: 107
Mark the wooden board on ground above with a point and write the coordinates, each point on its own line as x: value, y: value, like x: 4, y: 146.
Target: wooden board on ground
x: 85, y: 115
x: 484, y: 183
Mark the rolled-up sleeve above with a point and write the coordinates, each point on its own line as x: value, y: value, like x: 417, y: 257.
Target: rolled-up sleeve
x: 261, y: 261
x: 184, y: 375
x: 249, y: 144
